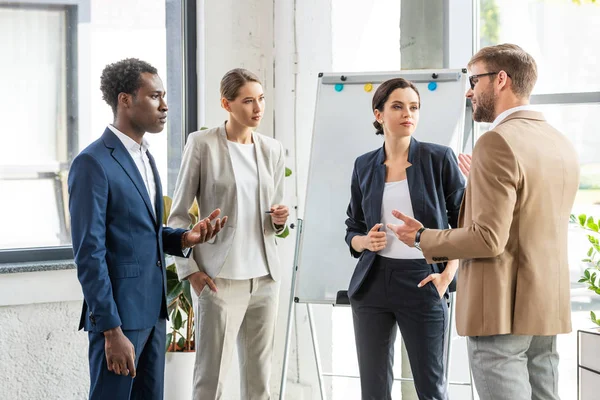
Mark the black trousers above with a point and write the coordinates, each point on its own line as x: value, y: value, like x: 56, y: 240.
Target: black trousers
x: 389, y: 296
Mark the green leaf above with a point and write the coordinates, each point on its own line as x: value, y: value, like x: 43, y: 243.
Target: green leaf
x: 573, y: 218
x: 187, y: 293
x: 178, y: 321
x: 167, y: 203
x: 590, y: 220
x: 593, y: 226
x: 593, y: 315
x: 171, y: 309
x: 582, y: 280
x: 288, y: 172
x: 181, y: 342
x: 593, y: 279
x: 582, y: 218
x: 597, y: 290
x: 169, y: 339
x: 174, y: 292
x: 588, y: 260
x: 590, y: 251
x: 587, y: 274
x: 285, y: 233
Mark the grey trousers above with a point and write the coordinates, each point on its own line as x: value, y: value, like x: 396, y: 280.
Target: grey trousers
x: 514, y: 367
x: 241, y: 312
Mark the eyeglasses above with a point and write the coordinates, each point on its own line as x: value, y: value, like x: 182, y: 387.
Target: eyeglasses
x: 473, y: 79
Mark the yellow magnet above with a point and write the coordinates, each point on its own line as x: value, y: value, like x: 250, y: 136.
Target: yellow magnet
x: 368, y: 87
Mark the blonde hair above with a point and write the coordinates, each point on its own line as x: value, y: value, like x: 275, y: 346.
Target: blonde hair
x: 233, y: 81
x: 516, y: 62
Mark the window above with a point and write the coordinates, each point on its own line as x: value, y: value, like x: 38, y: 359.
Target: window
x: 55, y: 107
x: 34, y: 144
x: 562, y: 36
x: 542, y: 27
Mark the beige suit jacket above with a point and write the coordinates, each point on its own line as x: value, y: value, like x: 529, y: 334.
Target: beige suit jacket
x: 512, y: 235
x: 207, y: 175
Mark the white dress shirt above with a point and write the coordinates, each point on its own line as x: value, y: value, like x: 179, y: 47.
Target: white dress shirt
x: 506, y: 113
x: 246, y: 258
x: 396, y: 196
x: 142, y: 162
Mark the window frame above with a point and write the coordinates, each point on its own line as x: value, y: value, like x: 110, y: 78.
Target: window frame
x: 73, y: 12
x: 181, y: 31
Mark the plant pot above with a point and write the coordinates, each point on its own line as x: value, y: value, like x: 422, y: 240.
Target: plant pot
x: 179, y: 375
x: 588, y: 360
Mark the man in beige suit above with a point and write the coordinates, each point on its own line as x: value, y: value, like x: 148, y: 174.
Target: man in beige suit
x: 513, y: 282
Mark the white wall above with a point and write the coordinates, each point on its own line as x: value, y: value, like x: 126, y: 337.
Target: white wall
x: 43, y: 354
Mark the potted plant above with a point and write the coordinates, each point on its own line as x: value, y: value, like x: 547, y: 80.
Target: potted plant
x: 180, y: 346
x: 590, y: 275
x: 588, y: 340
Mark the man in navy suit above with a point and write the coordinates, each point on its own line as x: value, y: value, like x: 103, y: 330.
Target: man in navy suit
x: 119, y: 240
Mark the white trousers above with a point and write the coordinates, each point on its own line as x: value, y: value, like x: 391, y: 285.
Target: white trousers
x: 242, y: 311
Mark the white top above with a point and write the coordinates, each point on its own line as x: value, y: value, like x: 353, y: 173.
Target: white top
x: 396, y: 196
x: 246, y: 259
x: 506, y: 113
x: 142, y: 162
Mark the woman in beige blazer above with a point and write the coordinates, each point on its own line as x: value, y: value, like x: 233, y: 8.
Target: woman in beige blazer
x: 236, y: 274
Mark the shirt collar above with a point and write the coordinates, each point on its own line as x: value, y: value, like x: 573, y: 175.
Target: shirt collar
x: 128, y: 142
x: 506, y: 113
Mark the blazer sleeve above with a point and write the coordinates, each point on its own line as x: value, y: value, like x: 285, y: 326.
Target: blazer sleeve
x: 355, y: 223
x: 171, y: 238
x: 453, y: 183
x: 493, y: 184
x: 88, y: 200
x: 188, y: 182
x: 279, y: 185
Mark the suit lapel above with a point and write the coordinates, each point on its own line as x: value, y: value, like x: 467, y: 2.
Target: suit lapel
x: 122, y: 157
x: 377, y: 186
x: 262, y: 157
x: 414, y: 175
x: 159, y: 202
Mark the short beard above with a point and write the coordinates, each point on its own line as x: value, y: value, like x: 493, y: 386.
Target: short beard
x: 485, y: 108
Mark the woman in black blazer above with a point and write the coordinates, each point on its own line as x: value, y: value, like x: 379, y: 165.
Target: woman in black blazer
x: 392, y: 283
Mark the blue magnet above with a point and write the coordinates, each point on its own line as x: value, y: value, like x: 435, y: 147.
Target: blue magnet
x: 339, y: 87
x: 432, y: 86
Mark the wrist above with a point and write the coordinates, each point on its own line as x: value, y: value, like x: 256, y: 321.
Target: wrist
x: 184, y: 241
x: 418, y: 238
x: 112, y: 332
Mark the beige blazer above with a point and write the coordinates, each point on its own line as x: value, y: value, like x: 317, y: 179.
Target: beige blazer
x: 512, y: 235
x: 207, y: 175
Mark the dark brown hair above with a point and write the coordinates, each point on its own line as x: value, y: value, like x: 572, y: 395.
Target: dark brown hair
x: 513, y: 60
x: 233, y: 81
x: 383, y: 92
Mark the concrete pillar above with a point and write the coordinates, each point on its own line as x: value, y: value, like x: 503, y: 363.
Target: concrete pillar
x: 286, y: 43
x: 421, y: 46
x: 237, y: 34
x: 422, y: 34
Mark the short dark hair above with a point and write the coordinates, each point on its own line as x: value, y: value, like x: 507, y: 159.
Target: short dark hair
x: 383, y: 92
x: 516, y: 62
x: 122, y: 77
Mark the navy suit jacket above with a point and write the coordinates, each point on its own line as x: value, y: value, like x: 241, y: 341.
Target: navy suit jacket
x: 436, y: 188
x: 118, y: 241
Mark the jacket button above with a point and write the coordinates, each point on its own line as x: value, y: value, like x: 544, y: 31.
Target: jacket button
x: 159, y: 264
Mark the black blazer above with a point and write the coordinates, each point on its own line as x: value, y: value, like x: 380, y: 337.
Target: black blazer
x: 436, y: 188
